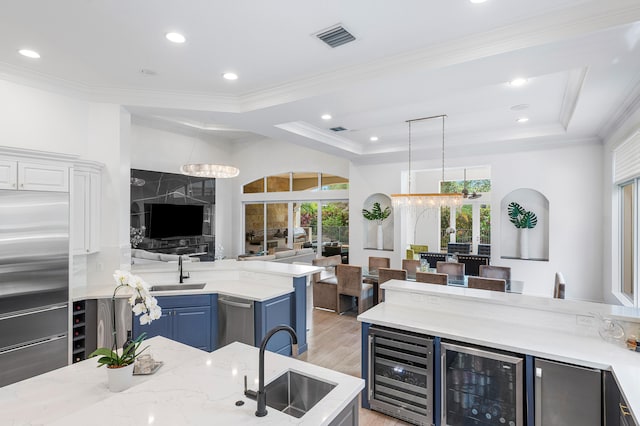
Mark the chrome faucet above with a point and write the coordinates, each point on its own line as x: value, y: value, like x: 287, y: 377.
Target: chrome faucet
x: 261, y: 395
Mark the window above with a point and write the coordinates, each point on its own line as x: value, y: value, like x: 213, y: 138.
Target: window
x: 282, y: 217
x: 628, y: 241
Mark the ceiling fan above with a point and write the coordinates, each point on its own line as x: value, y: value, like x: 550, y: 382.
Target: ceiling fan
x: 465, y: 191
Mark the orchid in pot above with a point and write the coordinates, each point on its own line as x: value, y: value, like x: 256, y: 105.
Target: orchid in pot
x: 143, y: 304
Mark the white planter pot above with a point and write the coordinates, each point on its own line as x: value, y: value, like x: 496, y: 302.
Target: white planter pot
x: 120, y: 379
x: 524, y: 243
x: 380, y: 244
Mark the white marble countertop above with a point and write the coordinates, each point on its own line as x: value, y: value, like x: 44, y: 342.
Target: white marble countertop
x: 508, y: 322
x: 192, y: 387
x: 258, y: 281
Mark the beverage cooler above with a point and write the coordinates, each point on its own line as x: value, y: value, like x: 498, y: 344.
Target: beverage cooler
x: 481, y: 387
x: 401, y: 374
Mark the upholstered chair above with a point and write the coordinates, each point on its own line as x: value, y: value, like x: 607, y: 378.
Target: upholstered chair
x: 450, y: 268
x: 350, y: 285
x: 325, y: 283
x: 378, y: 262
x: 500, y: 272
x: 411, y: 266
x: 431, y: 278
x: 386, y: 274
x: 492, y: 284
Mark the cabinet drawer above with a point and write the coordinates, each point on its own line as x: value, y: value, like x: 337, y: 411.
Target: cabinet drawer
x: 168, y: 302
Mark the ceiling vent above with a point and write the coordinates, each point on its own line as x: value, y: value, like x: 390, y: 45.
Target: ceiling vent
x: 338, y: 129
x: 335, y: 36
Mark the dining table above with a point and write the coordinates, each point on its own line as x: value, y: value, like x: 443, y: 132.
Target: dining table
x: 512, y: 286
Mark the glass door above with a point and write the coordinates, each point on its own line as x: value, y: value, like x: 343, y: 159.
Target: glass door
x: 480, y: 387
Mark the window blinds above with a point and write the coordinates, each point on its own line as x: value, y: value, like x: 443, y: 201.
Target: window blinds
x: 627, y: 159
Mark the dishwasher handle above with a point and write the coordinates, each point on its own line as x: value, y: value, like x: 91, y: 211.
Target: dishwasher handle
x: 236, y: 304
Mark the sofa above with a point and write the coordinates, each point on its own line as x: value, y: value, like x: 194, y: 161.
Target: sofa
x: 305, y: 255
x: 139, y: 256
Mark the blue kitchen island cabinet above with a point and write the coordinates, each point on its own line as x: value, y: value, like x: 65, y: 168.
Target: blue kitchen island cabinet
x: 191, y: 320
x: 271, y: 313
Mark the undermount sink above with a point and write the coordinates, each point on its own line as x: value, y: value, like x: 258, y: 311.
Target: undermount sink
x: 178, y: 287
x: 294, y: 393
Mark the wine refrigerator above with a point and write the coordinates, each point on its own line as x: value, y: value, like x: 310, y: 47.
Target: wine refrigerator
x: 481, y: 387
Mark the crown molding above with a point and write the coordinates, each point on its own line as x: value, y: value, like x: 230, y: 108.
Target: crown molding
x: 574, y: 86
x: 625, y: 111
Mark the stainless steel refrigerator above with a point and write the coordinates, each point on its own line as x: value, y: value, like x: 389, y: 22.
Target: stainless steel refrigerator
x: 34, y: 283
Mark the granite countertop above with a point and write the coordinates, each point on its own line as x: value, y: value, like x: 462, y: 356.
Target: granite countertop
x: 192, y: 387
x: 509, y: 322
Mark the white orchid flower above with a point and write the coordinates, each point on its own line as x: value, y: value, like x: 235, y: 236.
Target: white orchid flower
x: 121, y: 277
x: 145, y: 319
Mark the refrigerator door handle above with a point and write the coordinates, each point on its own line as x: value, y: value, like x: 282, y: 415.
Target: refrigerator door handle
x: 38, y: 311
x: 538, y: 397
x: 30, y: 345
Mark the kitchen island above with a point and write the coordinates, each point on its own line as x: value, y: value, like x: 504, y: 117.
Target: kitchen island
x: 192, y: 387
x: 562, y: 331
x: 278, y: 290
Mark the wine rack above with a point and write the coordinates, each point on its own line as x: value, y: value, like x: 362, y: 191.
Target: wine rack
x: 83, y: 333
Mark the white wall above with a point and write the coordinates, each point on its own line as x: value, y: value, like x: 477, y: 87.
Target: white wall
x: 571, y: 178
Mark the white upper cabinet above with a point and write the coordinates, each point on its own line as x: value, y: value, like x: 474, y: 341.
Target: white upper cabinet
x: 28, y: 176
x: 8, y: 174
x: 85, y: 229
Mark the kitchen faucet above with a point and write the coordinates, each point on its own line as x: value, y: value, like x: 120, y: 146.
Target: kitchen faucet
x: 182, y: 276
x: 261, y: 395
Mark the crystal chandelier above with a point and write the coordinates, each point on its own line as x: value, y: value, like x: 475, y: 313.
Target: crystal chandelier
x: 430, y: 200
x: 210, y: 170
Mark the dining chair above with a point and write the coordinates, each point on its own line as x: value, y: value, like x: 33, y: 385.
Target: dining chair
x: 559, y: 287
x: 431, y: 278
x: 378, y: 262
x: 386, y: 274
x: 450, y: 268
x: 325, y: 284
x: 500, y: 272
x: 350, y: 284
x: 410, y: 265
x: 492, y: 284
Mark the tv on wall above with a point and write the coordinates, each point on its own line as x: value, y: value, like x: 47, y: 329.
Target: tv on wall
x: 174, y: 220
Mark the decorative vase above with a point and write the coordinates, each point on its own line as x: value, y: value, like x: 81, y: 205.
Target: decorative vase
x: 380, y: 243
x: 524, y: 243
x: 121, y: 378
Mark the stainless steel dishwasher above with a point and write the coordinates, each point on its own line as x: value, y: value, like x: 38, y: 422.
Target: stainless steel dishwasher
x: 235, y: 321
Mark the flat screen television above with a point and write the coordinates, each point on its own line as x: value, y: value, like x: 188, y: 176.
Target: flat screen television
x: 174, y: 220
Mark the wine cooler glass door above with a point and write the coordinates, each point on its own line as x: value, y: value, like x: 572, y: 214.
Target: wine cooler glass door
x: 481, y: 387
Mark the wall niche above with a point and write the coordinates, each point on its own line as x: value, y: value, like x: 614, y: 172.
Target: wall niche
x: 371, y: 228
x: 528, y: 207
x: 172, y: 213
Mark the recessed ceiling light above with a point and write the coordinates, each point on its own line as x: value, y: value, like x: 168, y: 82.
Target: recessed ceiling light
x: 519, y: 107
x: 517, y: 82
x: 326, y: 116
x: 175, y: 37
x: 373, y: 138
x: 230, y: 76
x: 29, y: 53
x: 147, y: 71
x: 522, y: 119
x: 477, y: 1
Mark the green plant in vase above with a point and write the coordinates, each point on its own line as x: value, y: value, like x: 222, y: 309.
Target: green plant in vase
x: 523, y: 220
x: 378, y: 215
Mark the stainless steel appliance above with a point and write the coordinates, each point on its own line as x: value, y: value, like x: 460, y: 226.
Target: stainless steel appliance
x: 481, y: 387
x: 235, y: 321
x: 567, y: 394
x: 400, y: 377
x: 34, y: 283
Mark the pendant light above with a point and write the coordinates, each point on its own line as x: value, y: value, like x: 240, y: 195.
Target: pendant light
x: 428, y: 200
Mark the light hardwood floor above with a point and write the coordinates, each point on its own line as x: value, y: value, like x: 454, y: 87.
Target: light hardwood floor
x: 334, y: 342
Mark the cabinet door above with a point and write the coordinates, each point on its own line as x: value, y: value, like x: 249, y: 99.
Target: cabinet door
x: 160, y: 327
x: 8, y: 174
x: 270, y: 314
x: 192, y: 326
x: 43, y: 177
x: 86, y: 212
x: 567, y: 394
x: 616, y: 412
